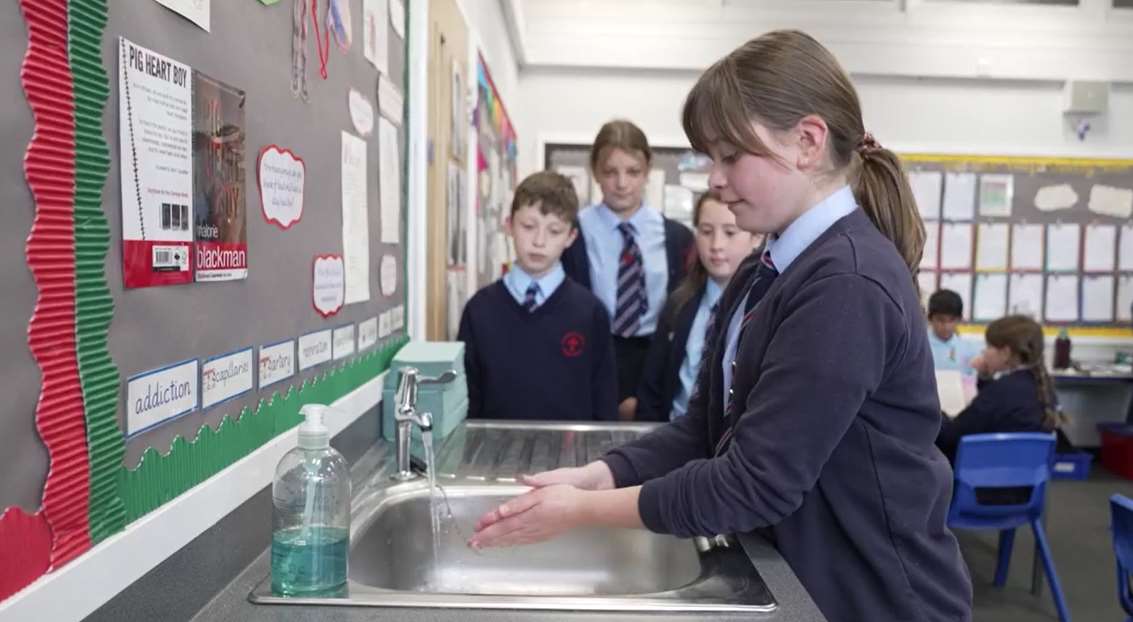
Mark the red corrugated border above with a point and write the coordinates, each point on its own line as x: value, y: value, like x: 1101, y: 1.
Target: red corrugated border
x: 50, y: 170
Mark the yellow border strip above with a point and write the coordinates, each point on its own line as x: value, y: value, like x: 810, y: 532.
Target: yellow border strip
x: 1019, y: 161
x: 1050, y: 331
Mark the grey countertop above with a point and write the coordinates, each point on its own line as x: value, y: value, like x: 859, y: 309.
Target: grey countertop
x: 498, y: 452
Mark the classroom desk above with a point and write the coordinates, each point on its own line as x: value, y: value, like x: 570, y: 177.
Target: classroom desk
x: 1091, y: 397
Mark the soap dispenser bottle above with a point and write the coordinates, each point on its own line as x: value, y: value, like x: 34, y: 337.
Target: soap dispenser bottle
x: 310, y: 514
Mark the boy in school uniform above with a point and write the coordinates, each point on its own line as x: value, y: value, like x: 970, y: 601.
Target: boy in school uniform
x: 949, y: 350
x: 537, y: 345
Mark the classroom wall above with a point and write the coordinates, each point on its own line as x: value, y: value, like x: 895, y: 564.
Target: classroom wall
x: 488, y: 28
x: 928, y: 114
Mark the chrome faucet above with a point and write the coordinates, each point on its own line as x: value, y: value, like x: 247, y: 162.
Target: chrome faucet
x: 405, y: 415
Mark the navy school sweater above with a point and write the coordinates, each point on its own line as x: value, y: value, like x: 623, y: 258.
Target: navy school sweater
x: 834, y: 449
x: 554, y: 363
x: 661, y: 378
x: 1007, y: 404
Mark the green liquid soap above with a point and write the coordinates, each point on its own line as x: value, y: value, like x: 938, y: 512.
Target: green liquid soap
x: 309, y: 562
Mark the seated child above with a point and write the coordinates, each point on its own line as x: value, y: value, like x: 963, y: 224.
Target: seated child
x: 537, y: 345
x: 949, y: 350
x: 1019, y: 398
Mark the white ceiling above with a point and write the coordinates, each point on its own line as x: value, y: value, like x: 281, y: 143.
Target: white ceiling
x: 931, y: 38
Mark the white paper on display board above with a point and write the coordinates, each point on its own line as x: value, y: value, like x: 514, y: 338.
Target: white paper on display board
x: 1062, y: 247
x: 926, y: 187
x: 991, y: 297
x: 343, y: 342
x: 959, y: 196
x: 1027, y: 247
x: 155, y: 138
x: 397, y: 17
x: 314, y: 349
x: 1100, y: 248
x: 996, y: 194
x: 1097, y: 298
x: 1125, y: 250
x: 1062, y: 298
x: 991, y: 249
x: 196, y: 11
x: 397, y: 317
x: 387, y: 276
x: 390, y: 102
x: 930, y: 256
x: 157, y: 396
x: 1056, y: 197
x: 361, y: 112
x: 385, y: 325
x: 355, y: 220
x: 961, y: 283
x: 389, y: 182
x: 1125, y: 298
x: 225, y: 377
x: 1111, y: 201
x: 282, y: 176
x: 375, y: 46
x: 926, y: 281
x: 328, y: 284
x: 276, y: 362
x: 956, y: 246
x: 367, y: 334
x: 1026, y: 295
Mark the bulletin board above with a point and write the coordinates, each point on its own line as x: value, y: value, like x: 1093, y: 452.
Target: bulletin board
x: 1046, y: 237
x: 496, y: 155
x: 75, y: 336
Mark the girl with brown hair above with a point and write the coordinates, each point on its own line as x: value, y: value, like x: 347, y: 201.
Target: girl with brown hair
x: 629, y: 255
x: 816, y: 411
x: 1019, y: 398
x: 688, y: 322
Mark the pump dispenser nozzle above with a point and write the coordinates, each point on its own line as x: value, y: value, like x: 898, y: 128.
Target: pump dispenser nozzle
x: 313, y: 433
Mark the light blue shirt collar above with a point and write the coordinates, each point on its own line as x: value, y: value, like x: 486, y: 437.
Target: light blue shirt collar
x: 712, y: 291
x: 807, y: 228
x: 645, y: 215
x: 517, y: 280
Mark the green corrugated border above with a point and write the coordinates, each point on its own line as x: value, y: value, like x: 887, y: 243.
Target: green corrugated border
x: 93, y: 305
x: 160, y: 478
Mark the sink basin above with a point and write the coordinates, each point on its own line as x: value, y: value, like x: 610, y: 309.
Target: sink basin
x: 393, y: 562
x: 393, y: 551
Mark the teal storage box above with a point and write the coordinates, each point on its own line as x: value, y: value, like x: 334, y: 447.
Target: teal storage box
x: 448, y: 402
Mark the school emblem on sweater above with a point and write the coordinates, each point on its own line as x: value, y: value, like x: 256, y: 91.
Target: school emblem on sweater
x: 572, y: 343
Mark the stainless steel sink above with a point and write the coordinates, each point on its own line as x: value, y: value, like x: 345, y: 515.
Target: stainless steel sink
x: 393, y: 563
x: 394, y: 552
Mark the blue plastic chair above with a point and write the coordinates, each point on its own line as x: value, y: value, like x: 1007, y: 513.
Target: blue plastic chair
x: 1122, y: 509
x: 1001, y: 484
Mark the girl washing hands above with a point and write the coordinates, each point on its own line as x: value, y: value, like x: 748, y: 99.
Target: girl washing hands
x: 815, y: 411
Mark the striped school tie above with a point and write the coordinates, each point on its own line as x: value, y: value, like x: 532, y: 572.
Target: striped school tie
x: 765, y: 275
x: 529, y: 297
x: 631, y: 301
x: 710, y: 325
